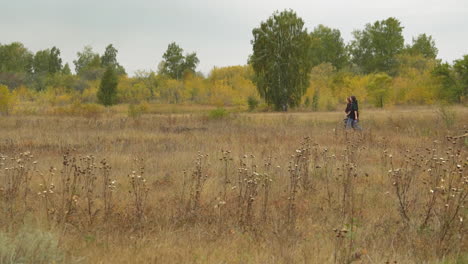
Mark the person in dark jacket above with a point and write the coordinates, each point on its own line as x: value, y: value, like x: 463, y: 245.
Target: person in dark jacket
x: 353, y: 120
x: 347, y: 111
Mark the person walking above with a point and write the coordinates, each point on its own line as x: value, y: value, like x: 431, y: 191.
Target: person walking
x: 348, y: 112
x: 353, y: 120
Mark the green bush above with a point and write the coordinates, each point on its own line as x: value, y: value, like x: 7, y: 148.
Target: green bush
x: 218, y: 113
x: 30, y: 246
x: 252, y: 102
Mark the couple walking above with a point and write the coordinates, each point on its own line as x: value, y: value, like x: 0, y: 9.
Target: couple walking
x: 352, y: 113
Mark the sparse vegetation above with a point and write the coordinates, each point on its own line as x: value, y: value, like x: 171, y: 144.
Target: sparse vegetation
x: 111, y: 190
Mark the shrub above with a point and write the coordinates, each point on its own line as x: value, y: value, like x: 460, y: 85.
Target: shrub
x: 218, y: 113
x: 136, y: 110
x: 252, y: 102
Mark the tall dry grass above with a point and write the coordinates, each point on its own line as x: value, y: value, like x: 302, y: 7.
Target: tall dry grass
x: 248, y: 188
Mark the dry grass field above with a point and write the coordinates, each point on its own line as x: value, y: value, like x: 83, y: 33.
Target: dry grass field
x: 242, y: 188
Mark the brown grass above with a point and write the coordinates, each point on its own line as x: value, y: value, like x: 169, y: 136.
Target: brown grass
x: 247, y: 188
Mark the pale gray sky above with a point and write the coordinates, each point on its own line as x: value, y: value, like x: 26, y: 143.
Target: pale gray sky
x: 218, y: 31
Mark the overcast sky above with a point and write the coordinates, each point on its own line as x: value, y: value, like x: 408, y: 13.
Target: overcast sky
x: 218, y: 31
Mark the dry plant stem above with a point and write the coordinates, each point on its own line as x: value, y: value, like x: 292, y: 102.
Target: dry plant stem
x: 267, y: 180
x: 196, y: 184
x: 139, y: 191
x: 298, y: 169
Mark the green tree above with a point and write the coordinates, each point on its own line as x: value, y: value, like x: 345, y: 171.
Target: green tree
x: 450, y: 90
x: 45, y: 64
x: 109, y: 58
x: 16, y: 58
x: 15, y: 64
x: 328, y: 46
x: 175, y: 64
x: 423, y: 45
x: 461, y: 68
x: 66, y: 69
x: 281, y: 60
x: 107, y: 92
x: 379, y: 89
x: 190, y: 62
x: 88, y: 64
x: 55, y: 62
x: 41, y: 62
x: 375, y: 48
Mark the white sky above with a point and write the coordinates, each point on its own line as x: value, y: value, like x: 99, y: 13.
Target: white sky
x: 218, y: 31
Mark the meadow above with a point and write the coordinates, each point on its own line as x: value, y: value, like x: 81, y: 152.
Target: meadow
x: 198, y: 187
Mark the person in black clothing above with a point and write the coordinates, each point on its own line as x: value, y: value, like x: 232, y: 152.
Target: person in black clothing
x: 354, y: 114
x: 348, y: 112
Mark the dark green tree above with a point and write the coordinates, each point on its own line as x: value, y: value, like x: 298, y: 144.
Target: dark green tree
x: 450, y: 90
x: 175, y: 64
x: 375, y: 48
x: 328, y: 46
x: 281, y: 59
x: 461, y: 69
x: 190, y: 62
x: 107, y: 93
x: 109, y: 58
x: 55, y: 62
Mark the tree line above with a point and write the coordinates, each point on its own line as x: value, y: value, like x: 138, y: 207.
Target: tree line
x: 288, y: 67
x: 284, y: 54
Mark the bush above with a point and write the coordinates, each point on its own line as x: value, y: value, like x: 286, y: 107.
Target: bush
x: 30, y: 246
x: 135, y: 111
x: 252, y: 102
x: 218, y: 113
x: 78, y: 109
x: 88, y: 110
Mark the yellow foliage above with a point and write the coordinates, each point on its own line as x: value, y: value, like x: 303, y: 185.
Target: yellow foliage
x: 54, y: 96
x: 414, y: 86
x: 172, y: 91
x: 231, y: 85
x: 23, y: 94
x: 89, y: 95
x: 196, y: 88
x: 135, y: 111
x: 129, y: 92
x: 221, y: 94
x: 320, y: 94
x: 7, y: 100
x: 356, y: 85
x: 79, y: 109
